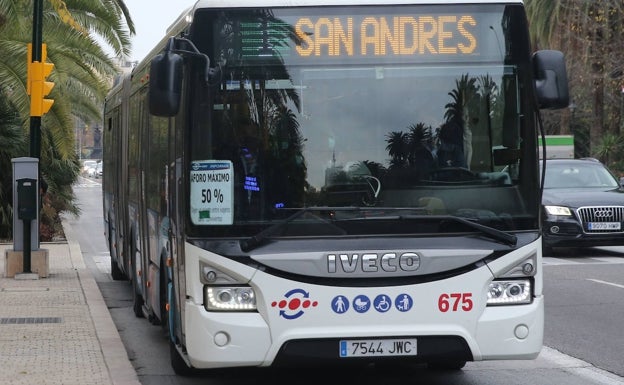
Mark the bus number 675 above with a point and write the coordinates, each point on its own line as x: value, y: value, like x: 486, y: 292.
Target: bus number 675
x: 453, y: 301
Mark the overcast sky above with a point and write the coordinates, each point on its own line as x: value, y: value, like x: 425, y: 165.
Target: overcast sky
x: 151, y: 19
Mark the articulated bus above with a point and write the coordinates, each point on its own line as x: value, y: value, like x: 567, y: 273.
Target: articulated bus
x: 316, y: 182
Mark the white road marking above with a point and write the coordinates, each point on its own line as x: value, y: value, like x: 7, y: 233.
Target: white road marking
x: 585, y: 261
x: 606, y: 283
x: 552, y: 358
x: 558, y: 261
x: 609, y: 259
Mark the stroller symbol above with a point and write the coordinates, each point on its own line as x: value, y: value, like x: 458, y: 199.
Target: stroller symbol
x: 361, y: 303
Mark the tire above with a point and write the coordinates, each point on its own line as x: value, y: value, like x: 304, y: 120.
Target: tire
x: 137, y: 302
x: 177, y: 362
x: 116, y: 273
x: 137, y: 299
x: 164, y: 283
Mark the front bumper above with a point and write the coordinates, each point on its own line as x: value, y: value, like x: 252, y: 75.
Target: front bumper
x: 570, y: 233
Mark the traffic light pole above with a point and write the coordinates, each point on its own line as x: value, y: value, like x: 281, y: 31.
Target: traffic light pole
x: 36, y: 55
x: 37, y: 41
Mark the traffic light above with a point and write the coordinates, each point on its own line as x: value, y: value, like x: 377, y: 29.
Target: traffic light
x: 37, y: 86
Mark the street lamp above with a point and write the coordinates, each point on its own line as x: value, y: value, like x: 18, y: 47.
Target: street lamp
x: 571, y: 107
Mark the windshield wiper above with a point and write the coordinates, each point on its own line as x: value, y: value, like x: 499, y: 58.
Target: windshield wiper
x: 258, y: 239
x: 496, y: 234
x: 255, y: 241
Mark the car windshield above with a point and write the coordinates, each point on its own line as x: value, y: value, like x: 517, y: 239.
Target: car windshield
x: 578, y: 175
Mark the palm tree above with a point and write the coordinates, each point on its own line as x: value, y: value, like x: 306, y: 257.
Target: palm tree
x: 82, y: 74
x: 420, y: 141
x: 397, y: 148
x: 608, y: 147
x: 13, y: 144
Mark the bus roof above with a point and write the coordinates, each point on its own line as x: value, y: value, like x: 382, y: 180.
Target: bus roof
x: 300, y: 3
x: 182, y: 20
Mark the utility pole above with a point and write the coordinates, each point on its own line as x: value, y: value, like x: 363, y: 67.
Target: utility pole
x: 27, y: 189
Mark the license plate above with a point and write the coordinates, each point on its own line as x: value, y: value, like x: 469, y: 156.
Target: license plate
x: 378, y: 348
x: 604, y: 225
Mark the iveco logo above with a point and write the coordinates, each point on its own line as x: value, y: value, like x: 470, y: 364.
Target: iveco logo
x: 605, y: 213
x: 372, y: 262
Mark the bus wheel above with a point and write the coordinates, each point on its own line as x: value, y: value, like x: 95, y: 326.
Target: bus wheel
x: 177, y: 362
x: 446, y: 365
x: 116, y: 273
x: 163, y: 298
x: 137, y: 299
x: 137, y: 304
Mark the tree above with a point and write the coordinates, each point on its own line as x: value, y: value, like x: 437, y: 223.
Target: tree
x: 13, y: 144
x: 588, y: 32
x: 82, y: 74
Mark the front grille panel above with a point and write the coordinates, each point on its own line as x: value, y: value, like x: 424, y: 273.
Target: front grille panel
x: 601, y: 214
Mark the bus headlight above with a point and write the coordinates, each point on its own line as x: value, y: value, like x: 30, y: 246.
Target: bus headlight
x: 229, y: 298
x: 509, y: 292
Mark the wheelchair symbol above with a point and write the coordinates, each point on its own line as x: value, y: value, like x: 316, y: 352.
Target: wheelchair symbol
x: 382, y: 303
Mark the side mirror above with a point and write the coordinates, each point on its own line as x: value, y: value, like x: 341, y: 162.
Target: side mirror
x: 551, y: 81
x: 165, y: 86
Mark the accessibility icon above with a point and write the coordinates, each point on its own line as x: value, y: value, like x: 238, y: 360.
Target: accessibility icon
x: 340, y: 304
x: 403, y: 302
x: 361, y: 303
x: 382, y: 303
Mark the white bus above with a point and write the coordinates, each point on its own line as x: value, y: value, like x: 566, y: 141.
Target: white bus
x: 307, y: 182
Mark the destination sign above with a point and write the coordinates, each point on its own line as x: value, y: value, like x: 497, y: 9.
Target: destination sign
x: 396, y: 38
x: 381, y: 36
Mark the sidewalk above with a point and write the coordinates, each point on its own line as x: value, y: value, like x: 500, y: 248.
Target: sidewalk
x: 57, y: 330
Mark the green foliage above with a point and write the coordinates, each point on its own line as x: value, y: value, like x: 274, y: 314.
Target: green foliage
x: 588, y: 33
x: 13, y: 145
x: 608, y: 150
x: 82, y: 75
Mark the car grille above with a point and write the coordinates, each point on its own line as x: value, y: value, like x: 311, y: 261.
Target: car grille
x: 601, y: 214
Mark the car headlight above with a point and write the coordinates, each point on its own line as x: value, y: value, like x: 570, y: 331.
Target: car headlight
x: 558, y: 210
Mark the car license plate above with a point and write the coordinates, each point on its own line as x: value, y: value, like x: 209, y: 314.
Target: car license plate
x: 604, y: 225
x: 378, y: 348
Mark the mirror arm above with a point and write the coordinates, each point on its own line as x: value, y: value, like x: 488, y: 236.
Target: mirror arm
x: 175, y: 44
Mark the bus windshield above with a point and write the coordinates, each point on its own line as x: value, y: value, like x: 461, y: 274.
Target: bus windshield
x: 408, y: 110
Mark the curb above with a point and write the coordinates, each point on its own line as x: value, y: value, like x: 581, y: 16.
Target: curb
x: 120, y: 370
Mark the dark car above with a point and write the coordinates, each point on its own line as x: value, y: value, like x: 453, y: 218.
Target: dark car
x: 582, y: 205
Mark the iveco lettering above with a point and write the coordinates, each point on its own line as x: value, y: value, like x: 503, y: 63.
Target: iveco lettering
x: 371, y: 262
